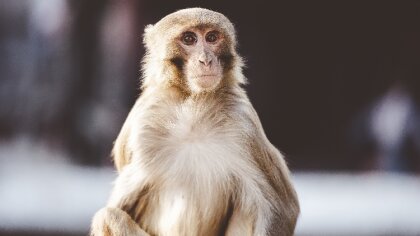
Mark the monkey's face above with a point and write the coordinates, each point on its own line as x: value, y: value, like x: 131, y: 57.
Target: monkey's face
x: 202, y: 49
x: 193, y: 50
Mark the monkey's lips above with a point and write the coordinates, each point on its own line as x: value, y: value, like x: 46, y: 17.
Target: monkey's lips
x: 207, y: 76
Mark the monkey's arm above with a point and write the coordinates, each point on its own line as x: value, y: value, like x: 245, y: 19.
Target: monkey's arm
x: 273, y: 165
x: 114, y: 220
x: 120, y: 151
x: 130, y: 183
x: 125, y: 143
x: 276, y: 208
x: 285, y: 217
x: 275, y: 205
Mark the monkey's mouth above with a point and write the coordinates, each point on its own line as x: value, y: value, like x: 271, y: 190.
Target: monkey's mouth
x: 207, y: 80
x: 206, y: 76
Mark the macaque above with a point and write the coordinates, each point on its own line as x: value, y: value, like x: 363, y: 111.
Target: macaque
x: 192, y: 156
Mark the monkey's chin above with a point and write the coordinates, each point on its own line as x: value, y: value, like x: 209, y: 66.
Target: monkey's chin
x: 204, y: 83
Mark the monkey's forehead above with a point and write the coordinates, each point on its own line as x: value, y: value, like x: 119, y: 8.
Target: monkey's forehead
x: 193, y: 17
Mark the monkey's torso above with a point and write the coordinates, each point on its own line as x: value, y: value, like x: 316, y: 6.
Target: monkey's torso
x: 192, y: 156
x: 196, y: 154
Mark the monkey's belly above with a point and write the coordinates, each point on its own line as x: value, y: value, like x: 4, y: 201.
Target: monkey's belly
x: 178, y: 214
x: 194, y: 196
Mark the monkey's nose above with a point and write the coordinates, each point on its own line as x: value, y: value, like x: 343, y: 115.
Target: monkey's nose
x: 205, y: 60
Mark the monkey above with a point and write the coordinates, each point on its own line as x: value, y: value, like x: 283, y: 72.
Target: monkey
x: 192, y: 155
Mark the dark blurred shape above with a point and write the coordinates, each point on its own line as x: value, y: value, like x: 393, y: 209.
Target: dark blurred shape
x: 31, y: 233
x: 69, y: 74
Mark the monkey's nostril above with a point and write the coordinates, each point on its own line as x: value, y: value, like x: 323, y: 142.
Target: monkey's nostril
x: 205, y: 62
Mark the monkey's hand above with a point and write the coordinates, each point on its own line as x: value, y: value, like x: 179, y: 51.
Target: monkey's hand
x: 110, y: 221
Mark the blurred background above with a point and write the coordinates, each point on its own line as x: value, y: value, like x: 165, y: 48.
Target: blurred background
x: 336, y: 85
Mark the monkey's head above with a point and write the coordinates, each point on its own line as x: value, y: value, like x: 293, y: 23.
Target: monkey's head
x: 192, y: 49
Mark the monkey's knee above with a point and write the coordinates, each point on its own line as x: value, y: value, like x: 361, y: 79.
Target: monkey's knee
x: 101, y: 221
x: 111, y: 221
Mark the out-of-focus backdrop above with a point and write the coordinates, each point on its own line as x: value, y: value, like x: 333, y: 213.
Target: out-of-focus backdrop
x: 336, y: 85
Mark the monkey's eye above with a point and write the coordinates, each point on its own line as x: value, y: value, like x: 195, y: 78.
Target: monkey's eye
x: 189, y: 38
x: 212, y: 37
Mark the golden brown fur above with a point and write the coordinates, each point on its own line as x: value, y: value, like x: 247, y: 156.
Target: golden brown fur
x: 195, y: 163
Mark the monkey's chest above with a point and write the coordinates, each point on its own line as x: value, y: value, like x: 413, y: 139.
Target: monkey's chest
x: 202, y: 151
x: 197, y: 166
x: 196, y: 145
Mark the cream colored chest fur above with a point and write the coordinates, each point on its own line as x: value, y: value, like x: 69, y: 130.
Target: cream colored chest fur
x: 200, y: 155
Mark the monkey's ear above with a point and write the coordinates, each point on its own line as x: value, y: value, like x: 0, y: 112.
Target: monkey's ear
x: 148, y: 35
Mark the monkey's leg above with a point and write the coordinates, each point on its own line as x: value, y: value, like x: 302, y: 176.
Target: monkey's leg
x: 252, y: 223
x: 111, y: 221
x: 253, y: 214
